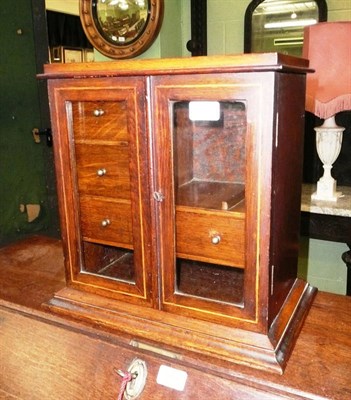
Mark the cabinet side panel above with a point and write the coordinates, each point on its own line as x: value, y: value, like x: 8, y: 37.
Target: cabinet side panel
x: 63, y: 169
x: 286, y: 193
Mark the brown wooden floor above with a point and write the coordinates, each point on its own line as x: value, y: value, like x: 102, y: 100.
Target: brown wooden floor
x: 31, y: 270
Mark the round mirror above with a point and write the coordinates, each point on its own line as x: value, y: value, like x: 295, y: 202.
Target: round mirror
x: 121, y: 28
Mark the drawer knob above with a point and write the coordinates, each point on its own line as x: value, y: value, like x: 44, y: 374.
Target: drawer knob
x: 98, y: 112
x: 101, y: 172
x: 105, y: 222
x: 215, y: 239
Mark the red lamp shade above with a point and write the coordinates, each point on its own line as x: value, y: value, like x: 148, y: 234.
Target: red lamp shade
x: 328, y: 47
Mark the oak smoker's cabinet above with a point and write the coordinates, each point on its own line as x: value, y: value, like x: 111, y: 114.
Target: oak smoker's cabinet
x: 179, y: 187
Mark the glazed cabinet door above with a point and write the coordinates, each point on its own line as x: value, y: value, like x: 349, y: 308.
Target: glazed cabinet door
x: 101, y: 154
x: 213, y: 153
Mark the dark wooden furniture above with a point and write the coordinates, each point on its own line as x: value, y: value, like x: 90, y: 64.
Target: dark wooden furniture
x: 178, y: 182
x: 44, y: 356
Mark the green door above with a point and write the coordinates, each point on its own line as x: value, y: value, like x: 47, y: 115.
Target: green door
x: 27, y: 187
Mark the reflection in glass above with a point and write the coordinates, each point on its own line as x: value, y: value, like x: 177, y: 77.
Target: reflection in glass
x: 278, y: 25
x: 210, y: 281
x: 102, y: 153
x: 209, y: 180
x: 121, y: 21
x: 108, y: 261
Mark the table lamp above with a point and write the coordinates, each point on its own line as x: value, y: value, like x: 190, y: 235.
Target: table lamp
x: 328, y: 47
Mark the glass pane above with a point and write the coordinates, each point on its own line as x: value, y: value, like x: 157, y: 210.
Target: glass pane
x: 209, y: 181
x: 278, y: 25
x: 102, y: 153
x: 121, y: 21
x: 109, y: 261
x: 214, y: 282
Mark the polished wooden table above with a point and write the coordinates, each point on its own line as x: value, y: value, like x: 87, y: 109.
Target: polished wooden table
x: 43, y: 356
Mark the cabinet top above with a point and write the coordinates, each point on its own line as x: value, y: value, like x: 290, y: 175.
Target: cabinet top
x: 252, y: 62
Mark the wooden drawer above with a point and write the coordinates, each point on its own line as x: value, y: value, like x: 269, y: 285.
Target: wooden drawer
x: 106, y: 221
x: 197, y: 228
x: 100, y: 120
x: 103, y: 170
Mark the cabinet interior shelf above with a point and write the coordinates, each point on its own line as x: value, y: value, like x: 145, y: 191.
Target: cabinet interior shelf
x: 211, y: 195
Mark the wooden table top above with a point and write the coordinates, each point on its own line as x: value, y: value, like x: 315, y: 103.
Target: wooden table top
x: 319, y: 367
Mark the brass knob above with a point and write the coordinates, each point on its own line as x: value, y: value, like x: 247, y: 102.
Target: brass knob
x: 98, y: 112
x: 105, y: 222
x: 215, y: 239
x: 101, y: 172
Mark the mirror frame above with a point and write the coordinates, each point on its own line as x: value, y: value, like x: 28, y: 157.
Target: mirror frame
x: 322, y: 17
x: 121, y: 51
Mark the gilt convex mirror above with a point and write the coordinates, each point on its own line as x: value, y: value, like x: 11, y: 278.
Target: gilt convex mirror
x: 121, y: 28
x: 277, y: 25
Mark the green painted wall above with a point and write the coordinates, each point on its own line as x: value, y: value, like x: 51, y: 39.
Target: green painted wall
x: 22, y: 166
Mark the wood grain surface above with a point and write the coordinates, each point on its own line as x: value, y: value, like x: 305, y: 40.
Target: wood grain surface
x: 43, y: 356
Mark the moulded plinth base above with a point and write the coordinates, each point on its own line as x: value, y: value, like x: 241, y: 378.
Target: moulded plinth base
x: 174, y: 335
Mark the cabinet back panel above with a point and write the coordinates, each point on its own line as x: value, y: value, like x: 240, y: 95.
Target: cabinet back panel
x: 210, y: 150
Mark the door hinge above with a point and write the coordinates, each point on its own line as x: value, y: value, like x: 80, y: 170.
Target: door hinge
x: 158, y: 196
